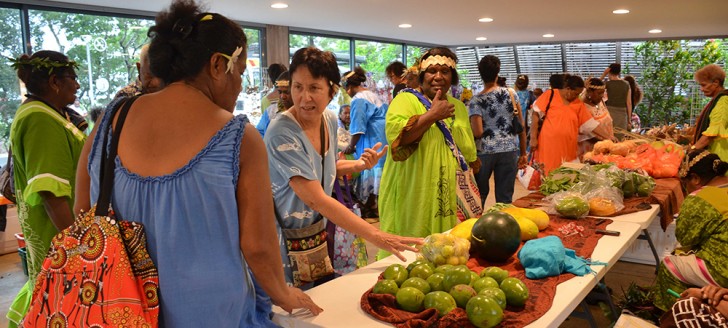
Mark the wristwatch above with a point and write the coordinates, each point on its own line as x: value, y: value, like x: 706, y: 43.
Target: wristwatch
x: 692, y: 147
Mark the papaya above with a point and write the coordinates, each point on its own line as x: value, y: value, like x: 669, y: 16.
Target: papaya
x: 464, y: 229
x: 529, y: 230
x: 539, y: 217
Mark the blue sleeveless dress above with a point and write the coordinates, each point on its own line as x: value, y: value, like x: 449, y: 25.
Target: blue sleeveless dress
x: 191, y: 220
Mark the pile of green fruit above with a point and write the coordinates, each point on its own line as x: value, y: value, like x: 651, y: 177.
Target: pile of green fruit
x: 443, y: 248
x: 422, y: 286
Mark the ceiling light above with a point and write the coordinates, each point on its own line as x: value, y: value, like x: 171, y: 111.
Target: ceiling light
x: 620, y: 11
x: 548, y: 35
x: 485, y: 20
x: 481, y: 38
x: 405, y: 25
x: 655, y: 31
x: 279, y: 5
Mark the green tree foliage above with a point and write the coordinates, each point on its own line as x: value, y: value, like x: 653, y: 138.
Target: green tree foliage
x: 112, y: 45
x: 378, y: 56
x: 668, y: 67
x: 10, y: 46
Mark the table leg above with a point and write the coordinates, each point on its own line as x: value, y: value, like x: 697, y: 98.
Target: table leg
x: 646, y: 236
x: 585, y: 314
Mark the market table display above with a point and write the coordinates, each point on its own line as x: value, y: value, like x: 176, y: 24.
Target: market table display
x: 341, y: 297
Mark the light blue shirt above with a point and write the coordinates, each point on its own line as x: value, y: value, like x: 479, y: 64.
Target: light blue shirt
x: 291, y: 154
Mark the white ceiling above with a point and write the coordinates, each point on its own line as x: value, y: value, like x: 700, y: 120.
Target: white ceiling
x: 455, y: 22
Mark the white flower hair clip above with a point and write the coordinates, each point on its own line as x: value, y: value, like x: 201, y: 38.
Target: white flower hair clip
x: 232, y: 59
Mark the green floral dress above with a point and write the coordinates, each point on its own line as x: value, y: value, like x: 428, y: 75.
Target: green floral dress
x: 702, y: 229
x: 46, y: 148
x: 417, y: 192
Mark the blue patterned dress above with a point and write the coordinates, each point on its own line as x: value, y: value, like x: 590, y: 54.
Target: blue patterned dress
x: 191, y: 220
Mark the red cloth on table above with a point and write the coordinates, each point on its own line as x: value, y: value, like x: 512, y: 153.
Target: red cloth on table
x: 383, y: 306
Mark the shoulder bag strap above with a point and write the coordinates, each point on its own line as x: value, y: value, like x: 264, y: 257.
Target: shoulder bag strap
x: 108, y: 161
x: 545, y: 112
x: 449, y: 140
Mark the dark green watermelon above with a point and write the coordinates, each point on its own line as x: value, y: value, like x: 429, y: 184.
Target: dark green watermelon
x: 496, y: 237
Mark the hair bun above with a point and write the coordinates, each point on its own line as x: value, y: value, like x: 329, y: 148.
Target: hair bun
x: 183, y: 27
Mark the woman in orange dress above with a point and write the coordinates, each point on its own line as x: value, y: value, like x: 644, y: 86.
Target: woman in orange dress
x: 564, y: 117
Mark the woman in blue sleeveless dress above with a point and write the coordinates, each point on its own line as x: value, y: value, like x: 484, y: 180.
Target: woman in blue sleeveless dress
x: 186, y: 168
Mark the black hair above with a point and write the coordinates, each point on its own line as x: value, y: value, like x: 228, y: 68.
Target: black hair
x: 573, y: 81
x: 489, y: 67
x: 275, y: 71
x: 396, y: 68
x: 285, y: 76
x: 95, y: 112
x: 522, y: 82
x: 36, y: 77
x: 320, y: 63
x: 556, y: 81
x: 501, y: 82
x: 184, y: 38
x: 442, y: 51
x: 615, y: 68
x: 595, y: 82
x: 636, y: 90
x: 708, y: 167
x: 356, y: 79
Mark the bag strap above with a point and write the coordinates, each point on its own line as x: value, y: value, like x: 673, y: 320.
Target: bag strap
x: 516, y: 105
x: 323, y: 152
x: 340, y: 194
x: 108, y: 161
x: 449, y: 140
x: 546, y: 112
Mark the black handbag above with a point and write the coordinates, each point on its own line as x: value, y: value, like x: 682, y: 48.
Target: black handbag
x: 516, y: 126
x: 7, y: 184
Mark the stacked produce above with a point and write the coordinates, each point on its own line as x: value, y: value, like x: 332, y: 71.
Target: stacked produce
x: 659, y: 159
x: 599, y: 190
x: 440, y: 280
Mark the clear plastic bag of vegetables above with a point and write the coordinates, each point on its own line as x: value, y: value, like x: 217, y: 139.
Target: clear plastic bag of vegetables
x: 605, y: 201
x: 637, y: 185
x: 591, y: 179
x: 559, y: 179
x: 569, y: 204
x: 443, y: 248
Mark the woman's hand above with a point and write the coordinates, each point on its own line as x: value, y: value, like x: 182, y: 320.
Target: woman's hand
x: 440, y: 109
x: 370, y: 157
x: 692, y: 292
x: 295, y: 299
x: 395, y: 244
x: 522, y: 161
x: 714, y: 294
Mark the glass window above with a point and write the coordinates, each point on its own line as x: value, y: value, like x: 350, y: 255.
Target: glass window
x: 374, y: 57
x: 106, y: 48
x: 340, y: 47
x: 249, y: 100
x: 414, y: 53
x: 11, y: 45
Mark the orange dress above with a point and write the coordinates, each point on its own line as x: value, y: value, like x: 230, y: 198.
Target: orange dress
x: 558, y: 140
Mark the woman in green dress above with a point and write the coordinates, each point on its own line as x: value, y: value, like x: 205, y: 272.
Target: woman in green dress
x: 417, y: 193
x: 46, y: 139
x: 701, y: 229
